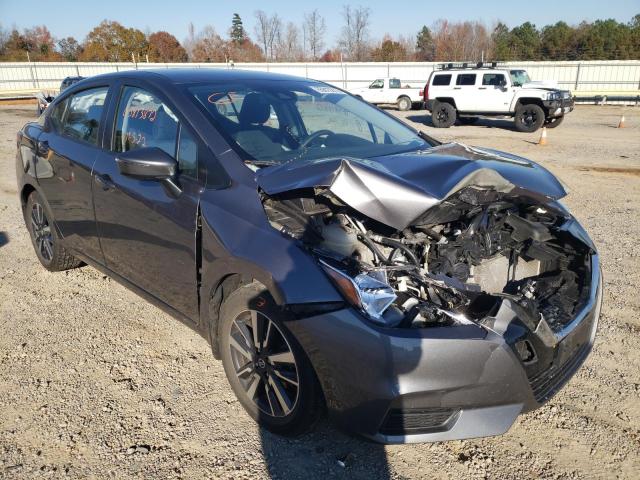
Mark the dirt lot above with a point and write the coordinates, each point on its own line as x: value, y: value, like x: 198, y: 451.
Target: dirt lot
x: 94, y: 382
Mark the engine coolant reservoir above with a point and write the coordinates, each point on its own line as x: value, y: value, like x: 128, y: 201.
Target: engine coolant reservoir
x: 338, y: 239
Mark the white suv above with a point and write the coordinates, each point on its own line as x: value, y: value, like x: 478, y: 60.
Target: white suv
x: 464, y: 93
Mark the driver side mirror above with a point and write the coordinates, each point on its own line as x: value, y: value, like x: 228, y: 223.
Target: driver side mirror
x: 150, y: 163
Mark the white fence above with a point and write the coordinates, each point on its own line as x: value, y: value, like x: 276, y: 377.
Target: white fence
x: 593, y: 77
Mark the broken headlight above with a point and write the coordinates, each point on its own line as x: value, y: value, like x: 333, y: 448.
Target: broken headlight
x: 364, y: 291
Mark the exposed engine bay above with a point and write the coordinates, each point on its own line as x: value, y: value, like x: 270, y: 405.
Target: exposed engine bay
x: 453, y: 265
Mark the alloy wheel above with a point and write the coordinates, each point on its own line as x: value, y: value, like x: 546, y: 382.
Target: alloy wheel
x: 529, y: 117
x: 264, y: 363
x: 443, y: 115
x: 42, y: 232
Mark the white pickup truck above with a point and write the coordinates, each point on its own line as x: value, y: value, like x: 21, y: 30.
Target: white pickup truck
x: 388, y: 91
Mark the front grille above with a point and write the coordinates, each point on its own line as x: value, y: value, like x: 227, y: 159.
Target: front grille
x: 545, y: 384
x: 414, y: 421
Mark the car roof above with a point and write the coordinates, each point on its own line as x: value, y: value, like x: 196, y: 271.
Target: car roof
x: 197, y: 75
x: 472, y: 70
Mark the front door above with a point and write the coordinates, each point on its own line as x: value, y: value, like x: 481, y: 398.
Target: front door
x: 148, y: 234
x: 494, y: 94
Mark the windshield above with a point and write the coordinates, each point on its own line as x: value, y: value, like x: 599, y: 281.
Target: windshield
x: 519, y: 76
x: 272, y: 122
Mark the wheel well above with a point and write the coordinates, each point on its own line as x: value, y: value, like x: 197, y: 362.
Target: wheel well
x: 529, y: 101
x: 219, y: 293
x: 24, y: 195
x: 447, y: 100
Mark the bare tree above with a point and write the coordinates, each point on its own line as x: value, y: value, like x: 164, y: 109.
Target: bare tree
x: 314, y: 28
x: 268, y: 30
x: 355, y: 32
x: 288, y: 44
x: 190, y: 41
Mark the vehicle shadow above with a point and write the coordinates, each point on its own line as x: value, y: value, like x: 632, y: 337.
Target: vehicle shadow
x: 502, y: 123
x: 4, y: 239
x: 324, y: 452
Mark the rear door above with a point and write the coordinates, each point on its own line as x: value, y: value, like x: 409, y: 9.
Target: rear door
x: 148, y: 235
x: 66, y: 152
x: 465, y: 92
x: 494, y: 94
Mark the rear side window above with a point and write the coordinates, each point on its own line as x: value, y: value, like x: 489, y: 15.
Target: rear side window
x: 441, y: 80
x: 495, y: 79
x: 394, y: 83
x: 144, y: 121
x: 81, y: 119
x: 466, y: 79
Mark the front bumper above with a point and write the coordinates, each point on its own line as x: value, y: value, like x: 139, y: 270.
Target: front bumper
x: 448, y: 383
x: 557, y: 108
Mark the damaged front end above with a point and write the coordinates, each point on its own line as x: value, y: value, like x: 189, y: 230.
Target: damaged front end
x: 485, y: 247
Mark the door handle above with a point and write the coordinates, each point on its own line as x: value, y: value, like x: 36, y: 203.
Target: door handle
x: 43, y: 147
x: 457, y: 88
x: 105, y: 182
x: 482, y: 88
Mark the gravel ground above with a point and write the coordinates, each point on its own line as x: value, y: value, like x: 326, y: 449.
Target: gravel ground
x: 94, y: 382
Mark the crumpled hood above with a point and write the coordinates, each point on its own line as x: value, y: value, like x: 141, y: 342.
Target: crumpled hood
x: 397, y: 189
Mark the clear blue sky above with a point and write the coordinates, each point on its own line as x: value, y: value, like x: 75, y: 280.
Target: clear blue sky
x: 76, y: 18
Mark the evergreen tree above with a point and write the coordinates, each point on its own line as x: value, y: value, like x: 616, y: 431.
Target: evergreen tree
x: 237, y: 32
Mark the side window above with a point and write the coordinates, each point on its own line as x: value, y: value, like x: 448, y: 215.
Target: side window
x: 82, y: 117
x: 187, y: 154
x: 495, y: 79
x: 379, y: 83
x: 144, y: 121
x: 466, y: 79
x: 394, y: 83
x: 57, y: 115
x: 441, y: 80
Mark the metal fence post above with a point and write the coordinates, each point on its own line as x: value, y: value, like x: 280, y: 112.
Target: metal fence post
x: 33, y: 78
x: 577, y: 76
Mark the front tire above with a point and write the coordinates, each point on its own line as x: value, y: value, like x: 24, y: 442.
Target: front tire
x: 266, y: 368
x: 529, y: 117
x: 443, y: 115
x: 44, y: 237
x: 404, y: 104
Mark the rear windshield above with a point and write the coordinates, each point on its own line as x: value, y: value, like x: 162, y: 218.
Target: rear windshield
x: 441, y: 80
x: 276, y: 121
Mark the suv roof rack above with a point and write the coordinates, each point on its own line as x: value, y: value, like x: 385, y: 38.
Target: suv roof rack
x: 467, y: 65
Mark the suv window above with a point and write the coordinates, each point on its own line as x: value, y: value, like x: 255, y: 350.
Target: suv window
x: 144, y: 121
x: 466, y: 79
x: 81, y: 120
x: 495, y: 79
x: 441, y: 80
x: 394, y: 83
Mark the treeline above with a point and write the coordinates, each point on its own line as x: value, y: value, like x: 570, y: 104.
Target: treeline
x: 276, y: 40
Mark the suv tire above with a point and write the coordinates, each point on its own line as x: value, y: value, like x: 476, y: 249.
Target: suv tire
x: 44, y: 236
x: 443, y: 114
x: 404, y: 104
x: 553, y: 122
x: 268, y: 372
x: 529, y: 117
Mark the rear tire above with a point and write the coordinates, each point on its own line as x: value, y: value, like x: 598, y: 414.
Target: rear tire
x: 553, y: 122
x: 529, y: 117
x: 267, y: 369
x: 44, y: 237
x: 443, y: 115
x: 404, y: 104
